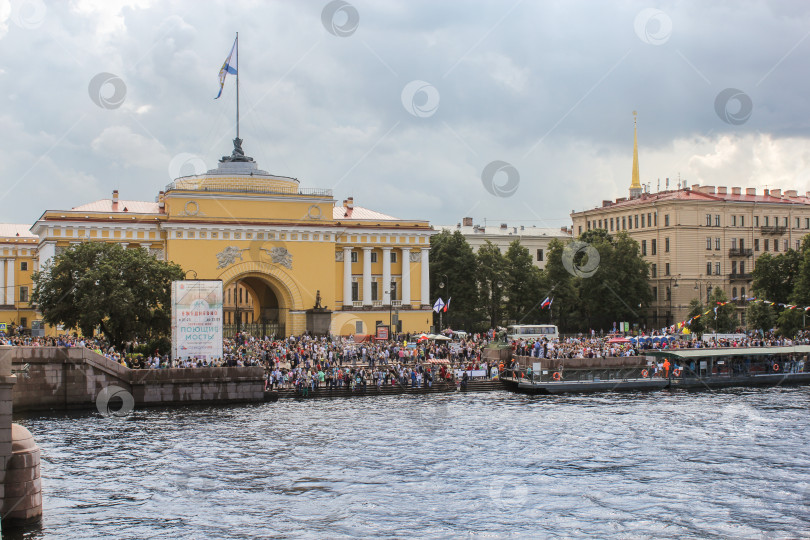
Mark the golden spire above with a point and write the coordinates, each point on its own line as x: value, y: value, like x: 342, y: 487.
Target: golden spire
x: 635, y: 184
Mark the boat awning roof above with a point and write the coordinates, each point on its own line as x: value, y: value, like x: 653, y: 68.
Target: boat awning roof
x: 686, y: 354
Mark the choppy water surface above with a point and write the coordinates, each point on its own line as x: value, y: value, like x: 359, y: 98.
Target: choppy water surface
x: 733, y: 464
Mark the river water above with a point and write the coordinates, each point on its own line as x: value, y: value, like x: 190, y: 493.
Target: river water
x: 485, y: 465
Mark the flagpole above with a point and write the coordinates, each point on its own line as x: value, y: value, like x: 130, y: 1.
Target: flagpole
x: 237, y: 85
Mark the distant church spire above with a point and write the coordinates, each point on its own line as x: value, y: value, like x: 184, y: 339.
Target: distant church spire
x: 635, y: 185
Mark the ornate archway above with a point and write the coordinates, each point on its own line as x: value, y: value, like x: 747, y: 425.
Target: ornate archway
x: 273, y: 294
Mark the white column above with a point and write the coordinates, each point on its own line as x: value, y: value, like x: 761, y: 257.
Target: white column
x: 2, y: 281
x: 10, y: 294
x: 367, y: 276
x: 425, y: 292
x: 386, y: 255
x: 347, y: 277
x: 406, y: 276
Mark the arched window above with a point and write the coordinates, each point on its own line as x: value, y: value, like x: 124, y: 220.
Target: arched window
x: 734, y: 293
x: 742, y: 293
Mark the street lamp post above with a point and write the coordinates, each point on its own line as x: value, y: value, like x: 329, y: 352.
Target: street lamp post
x: 391, y: 308
x: 442, y: 285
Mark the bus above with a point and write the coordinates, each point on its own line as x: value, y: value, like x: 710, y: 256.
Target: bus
x: 532, y: 331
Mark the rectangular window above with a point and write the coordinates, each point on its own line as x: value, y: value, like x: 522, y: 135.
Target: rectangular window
x: 643, y: 247
x: 666, y: 220
x: 767, y: 244
x: 756, y: 221
x: 733, y: 221
x: 579, y: 229
x: 766, y: 220
x: 717, y: 244
x: 798, y: 245
x: 717, y: 220
x: 733, y: 243
x: 733, y: 267
x: 374, y: 287
x: 708, y: 242
x: 649, y: 221
x: 24, y: 322
x: 539, y: 254
x: 642, y: 221
x: 654, y: 270
x: 611, y: 224
x: 652, y: 246
x: 354, y: 256
x: 742, y: 267
x: 624, y: 223
x: 776, y: 245
x: 717, y: 268
x: 708, y: 220
x: 798, y: 222
x: 24, y: 266
x: 393, y: 290
x: 669, y: 294
x: 393, y: 256
x: 358, y: 327
x: 629, y: 222
x: 373, y: 256
x: 636, y: 221
x: 655, y: 219
x: 756, y: 244
x: 742, y: 221
x: 708, y: 268
x: 655, y: 293
x: 666, y: 245
x: 742, y: 243
x: 785, y: 221
x: 666, y: 269
x: 23, y: 294
x: 807, y: 223
x: 355, y: 291
x: 786, y: 245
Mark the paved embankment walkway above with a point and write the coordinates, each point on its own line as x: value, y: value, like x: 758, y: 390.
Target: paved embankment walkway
x: 384, y: 390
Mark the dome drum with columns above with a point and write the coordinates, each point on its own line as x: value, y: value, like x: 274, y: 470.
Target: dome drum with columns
x: 275, y: 246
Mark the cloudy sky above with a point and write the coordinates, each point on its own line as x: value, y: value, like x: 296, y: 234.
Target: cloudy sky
x: 504, y: 111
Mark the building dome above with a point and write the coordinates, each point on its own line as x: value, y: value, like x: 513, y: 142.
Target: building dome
x: 236, y: 173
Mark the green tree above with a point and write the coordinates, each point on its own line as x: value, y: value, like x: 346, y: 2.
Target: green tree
x: 618, y: 290
x: 789, y: 321
x: 775, y: 276
x: 491, y: 282
x: 522, y: 282
x: 801, y: 287
x: 760, y: 316
x: 124, y: 292
x: 721, y: 318
x: 697, y: 326
x: 452, y: 255
x: 559, y: 283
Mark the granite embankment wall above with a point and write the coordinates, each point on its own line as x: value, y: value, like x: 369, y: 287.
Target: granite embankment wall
x: 72, y: 378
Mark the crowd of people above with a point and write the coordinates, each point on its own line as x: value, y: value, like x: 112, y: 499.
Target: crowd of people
x: 612, y: 346
x: 306, y: 363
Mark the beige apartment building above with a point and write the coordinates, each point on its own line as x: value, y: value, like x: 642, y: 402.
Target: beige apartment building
x: 700, y: 238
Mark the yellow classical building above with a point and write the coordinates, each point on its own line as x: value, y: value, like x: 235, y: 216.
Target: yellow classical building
x: 278, y: 248
x: 18, y: 249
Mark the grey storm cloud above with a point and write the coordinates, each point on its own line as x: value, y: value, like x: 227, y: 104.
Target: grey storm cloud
x: 403, y: 104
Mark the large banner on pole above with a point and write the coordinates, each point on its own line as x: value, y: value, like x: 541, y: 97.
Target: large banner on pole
x: 197, y: 319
